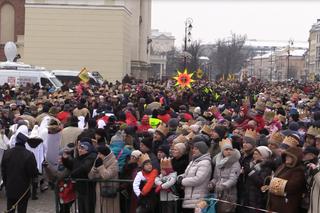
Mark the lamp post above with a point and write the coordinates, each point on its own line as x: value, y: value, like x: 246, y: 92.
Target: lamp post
x: 288, y: 66
x: 187, y: 37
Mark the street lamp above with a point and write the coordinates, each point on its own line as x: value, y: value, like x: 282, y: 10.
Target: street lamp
x: 288, y: 66
x: 187, y: 37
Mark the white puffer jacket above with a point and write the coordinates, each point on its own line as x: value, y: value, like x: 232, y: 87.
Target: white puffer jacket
x: 196, y: 179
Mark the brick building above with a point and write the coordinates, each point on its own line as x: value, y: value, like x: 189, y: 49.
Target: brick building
x: 12, y: 19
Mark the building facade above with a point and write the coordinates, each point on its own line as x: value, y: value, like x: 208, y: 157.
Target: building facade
x: 109, y: 36
x: 278, y: 65
x: 314, y: 49
x: 11, y: 24
x: 162, y: 43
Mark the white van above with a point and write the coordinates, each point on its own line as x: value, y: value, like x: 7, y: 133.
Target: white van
x: 14, y: 73
x: 73, y: 76
x: 21, y: 74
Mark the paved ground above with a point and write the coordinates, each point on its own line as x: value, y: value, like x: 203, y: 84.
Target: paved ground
x: 45, y: 204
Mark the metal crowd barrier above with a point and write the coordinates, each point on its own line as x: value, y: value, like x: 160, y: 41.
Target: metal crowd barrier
x: 118, y: 192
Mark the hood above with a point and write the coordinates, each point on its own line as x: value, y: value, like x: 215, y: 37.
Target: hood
x: 34, y: 142
x: 227, y: 161
x: 296, y: 153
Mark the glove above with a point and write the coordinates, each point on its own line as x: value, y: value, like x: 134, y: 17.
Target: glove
x: 158, y: 189
x: 179, y: 180
x: 98, y: 163
x: 220, y: 188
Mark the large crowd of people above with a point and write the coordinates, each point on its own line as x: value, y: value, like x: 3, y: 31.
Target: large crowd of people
x: 134, y: 146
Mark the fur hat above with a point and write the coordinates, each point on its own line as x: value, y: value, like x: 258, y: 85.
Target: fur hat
x: 296, y: 153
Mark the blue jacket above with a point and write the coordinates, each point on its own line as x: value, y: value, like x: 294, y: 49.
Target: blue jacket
x: 116, y: 147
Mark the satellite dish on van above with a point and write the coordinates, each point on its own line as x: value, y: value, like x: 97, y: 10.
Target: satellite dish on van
x: 10, y: 51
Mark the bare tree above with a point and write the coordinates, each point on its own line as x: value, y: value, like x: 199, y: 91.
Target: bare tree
x: 230, y: 55
x: 195, y: 50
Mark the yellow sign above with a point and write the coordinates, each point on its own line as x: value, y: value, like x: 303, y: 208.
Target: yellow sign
x: 199, y: 73
x: 83, y: 75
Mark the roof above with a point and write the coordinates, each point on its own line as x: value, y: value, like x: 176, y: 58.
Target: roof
x: 271, y: 43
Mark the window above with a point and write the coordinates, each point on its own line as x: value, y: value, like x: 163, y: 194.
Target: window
x: 7, y: 23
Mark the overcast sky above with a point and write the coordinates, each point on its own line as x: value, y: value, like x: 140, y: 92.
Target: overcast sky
x: 213, y: 19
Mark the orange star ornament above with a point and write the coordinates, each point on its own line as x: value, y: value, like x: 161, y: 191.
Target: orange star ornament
x: 184, y: 79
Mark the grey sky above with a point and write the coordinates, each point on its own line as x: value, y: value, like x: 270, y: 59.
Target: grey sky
x: 213, y: 19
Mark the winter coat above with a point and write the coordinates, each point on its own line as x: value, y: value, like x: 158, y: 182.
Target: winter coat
x: 80, y: 168
x: 167, y: 182
x: 121, y: 156
x: 315, y: 195
x: 226, y: 173
x: 294, y: 187
x: 257, y: 176
x: 109, y: 170
x: 18, y: 167
x: 69, y: 135
x: 180, y: 165
x: 195, y: 180
x: 245, y: 164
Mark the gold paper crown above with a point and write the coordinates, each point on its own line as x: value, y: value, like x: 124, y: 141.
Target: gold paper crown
x: 190, y: 136
x: 251, y: 134
x: 260, y: 106
x: 180, y: 139
x: 269, y: 116
x: 225, y: 142
x: 206, y: 129
x: 277, y: 186
x: 163, y: 129
x: 276, y: 138
x: 143, y: 158
x: 291, y: 141
x: 314, y: 131
x: 165, y: 163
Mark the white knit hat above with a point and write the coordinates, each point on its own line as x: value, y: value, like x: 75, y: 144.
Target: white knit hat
x: 264, y: 151
x: 136, y: 153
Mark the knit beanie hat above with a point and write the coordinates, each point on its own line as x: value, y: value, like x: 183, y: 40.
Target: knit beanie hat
x: 86, y: 145
x: 202, y: 146
x: 136, y: 153
x: 173, y: 123
x: 225, y: 144
x: 181, y: 147
x: 103, y: 150
x: 147, y: 141
x: 264, y: 151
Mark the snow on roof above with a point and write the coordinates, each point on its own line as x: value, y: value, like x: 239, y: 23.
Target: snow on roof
x: 156, y: 33
x: 297, y: 52
x: 265, y: 43
x: 266, y: 55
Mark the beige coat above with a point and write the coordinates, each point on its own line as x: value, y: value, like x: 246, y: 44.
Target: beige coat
x: 109, y: 170
x: 70, y: 135
x: 196, y: 179
x: 314, y: 195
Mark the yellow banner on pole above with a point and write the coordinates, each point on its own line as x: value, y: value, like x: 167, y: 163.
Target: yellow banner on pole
x: 83, y: 75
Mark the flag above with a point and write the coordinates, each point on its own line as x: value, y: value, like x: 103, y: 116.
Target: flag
x: 83, y: 75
